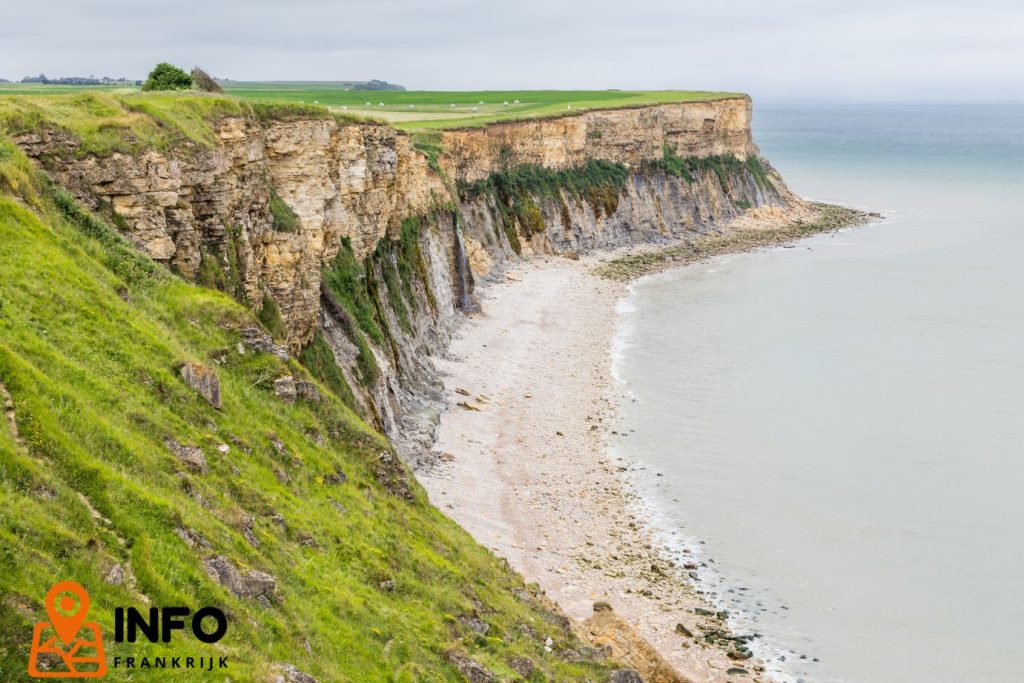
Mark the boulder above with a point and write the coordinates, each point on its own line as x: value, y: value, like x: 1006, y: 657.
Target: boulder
x: 287, y: 673
x: 192, y: 456
x: 252, y: 584
x: 258, y: 340
x: 284, y: 388
x: 115, y: 576
x: 203, y: 381
x: 473, y: 671
x: 522, y: 666
x: 308, y: 391
x: 605, y: 629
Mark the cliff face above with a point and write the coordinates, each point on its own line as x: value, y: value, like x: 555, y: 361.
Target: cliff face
x: 406, y: 242
x: 628, y: 136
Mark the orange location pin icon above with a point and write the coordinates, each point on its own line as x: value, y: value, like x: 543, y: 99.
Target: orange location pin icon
x: 67, y: 614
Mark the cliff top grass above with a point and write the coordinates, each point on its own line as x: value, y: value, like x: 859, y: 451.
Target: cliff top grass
x: 106, y: 120
x: 370, y: 585
x: 423, y: 109
x: 97, y: 113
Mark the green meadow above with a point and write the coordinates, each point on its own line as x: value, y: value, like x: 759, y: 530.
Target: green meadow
x: 424, y: 109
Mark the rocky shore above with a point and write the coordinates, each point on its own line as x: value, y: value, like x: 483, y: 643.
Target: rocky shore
x: 521, y: 459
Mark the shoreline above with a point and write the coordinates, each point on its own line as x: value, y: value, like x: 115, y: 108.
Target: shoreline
x: 522, y: 459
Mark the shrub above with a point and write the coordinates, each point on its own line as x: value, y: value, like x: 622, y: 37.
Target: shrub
x: 284, y: 218
x: 166, y: 76
x: 204, y: 81
x: 319, y: 359
x: 270, y: 316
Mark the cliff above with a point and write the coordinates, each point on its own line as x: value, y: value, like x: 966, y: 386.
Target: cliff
x: 388, y: 241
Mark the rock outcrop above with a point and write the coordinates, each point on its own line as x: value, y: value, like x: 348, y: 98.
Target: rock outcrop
x: 629, y: 136
x: 606, y: 629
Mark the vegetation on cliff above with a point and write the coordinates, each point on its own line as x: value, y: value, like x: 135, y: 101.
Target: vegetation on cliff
x: 516, y: 190
x: 102, y: 122
x: 723, y: 165
x: 117, y: 474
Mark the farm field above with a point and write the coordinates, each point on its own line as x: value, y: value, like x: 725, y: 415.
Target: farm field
x: 419, y: 109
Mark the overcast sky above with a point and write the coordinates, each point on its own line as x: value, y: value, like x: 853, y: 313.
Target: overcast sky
x: 817, y: 49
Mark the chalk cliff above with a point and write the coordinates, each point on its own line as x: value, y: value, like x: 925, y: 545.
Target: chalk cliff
x: 389, y: 242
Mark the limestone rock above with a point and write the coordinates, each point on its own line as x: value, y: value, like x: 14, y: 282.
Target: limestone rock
x: 606, y: 629
x: 251, y: 584
x: 191, y: 538
x: 204, y: 381
x: 284, y: 388
x: 522, y: 666
x: 115, y: 576
x: 288, y: 673
x: 308, y: 391
x: 258, y: 340
x: 192, y: 456
x: 473, y: 671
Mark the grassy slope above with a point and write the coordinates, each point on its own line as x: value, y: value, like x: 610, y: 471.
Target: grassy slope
x: 90, y: 333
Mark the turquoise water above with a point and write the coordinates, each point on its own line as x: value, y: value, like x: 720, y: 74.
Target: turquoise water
x: 839, y: 427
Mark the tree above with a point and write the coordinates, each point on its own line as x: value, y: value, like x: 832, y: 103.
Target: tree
x: 166, y: 76
x: 205, y: 81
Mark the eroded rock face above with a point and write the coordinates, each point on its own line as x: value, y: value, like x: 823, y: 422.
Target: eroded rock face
x: 628, y: 136
x: 192, y: 205
x: 606, y: 629
x: 205, y: 213
x: 204, y: 381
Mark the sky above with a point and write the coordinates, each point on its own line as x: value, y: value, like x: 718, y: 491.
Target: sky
x: 875, y: 50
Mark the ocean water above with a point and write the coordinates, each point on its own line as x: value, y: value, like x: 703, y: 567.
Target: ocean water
x: 837, y: 429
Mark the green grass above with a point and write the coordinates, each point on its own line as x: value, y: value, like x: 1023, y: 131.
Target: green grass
x: 284, y: 217
x: 90, y: 335
x: 515, y: 191
x: 106, y: 120
x: 433, y: 108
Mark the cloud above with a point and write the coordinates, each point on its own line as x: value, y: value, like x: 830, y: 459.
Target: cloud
x: 899, y: 49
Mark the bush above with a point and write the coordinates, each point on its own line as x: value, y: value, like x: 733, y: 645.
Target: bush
x: 204, y: 81
x: 165, y: 76
x: 270, y: 316
x: 285, y: 219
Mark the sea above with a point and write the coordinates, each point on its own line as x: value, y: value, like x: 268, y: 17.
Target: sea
x: 836, y: 429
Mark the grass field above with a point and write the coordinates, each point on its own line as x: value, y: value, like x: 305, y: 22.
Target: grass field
x: 438, y: 109
x: 422, y: 109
